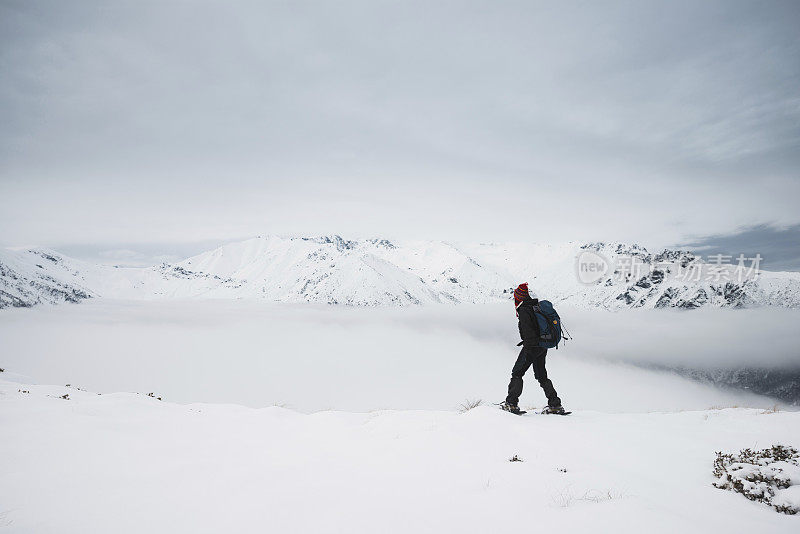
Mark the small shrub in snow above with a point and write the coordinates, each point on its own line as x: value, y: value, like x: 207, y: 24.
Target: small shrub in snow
x: 763, y: 476
x: 601, y: 496
x: 566, y: 497
x: 469, y: 404
x: 515, y: 458
x: 563, y: 499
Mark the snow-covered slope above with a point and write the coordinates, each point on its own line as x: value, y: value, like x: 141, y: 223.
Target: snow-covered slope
x: 38, y: 276
x: 72, y: 461
x: 377, y: 272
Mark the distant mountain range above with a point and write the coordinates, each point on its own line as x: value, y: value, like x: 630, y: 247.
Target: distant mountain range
x: 378, y: 272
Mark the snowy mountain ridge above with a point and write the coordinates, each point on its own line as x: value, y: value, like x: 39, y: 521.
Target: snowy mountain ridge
x: 379, y: 272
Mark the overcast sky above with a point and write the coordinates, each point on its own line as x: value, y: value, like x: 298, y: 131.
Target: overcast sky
x: 181, y: 122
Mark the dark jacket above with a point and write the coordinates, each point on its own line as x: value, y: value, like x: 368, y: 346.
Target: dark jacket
x: 528, y: 326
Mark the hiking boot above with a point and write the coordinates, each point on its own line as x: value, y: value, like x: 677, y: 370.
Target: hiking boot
x: 558, y: 410
x: 513, y: 408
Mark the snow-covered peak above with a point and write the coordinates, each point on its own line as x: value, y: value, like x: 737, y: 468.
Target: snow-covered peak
x: 378, y: 272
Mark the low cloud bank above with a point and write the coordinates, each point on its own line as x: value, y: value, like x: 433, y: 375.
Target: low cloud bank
x: 704, y: 338
x: 322, y: 357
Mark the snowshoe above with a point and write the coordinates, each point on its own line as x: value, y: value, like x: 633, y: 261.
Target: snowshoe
x: 513, y: 408
x: 555, y: 410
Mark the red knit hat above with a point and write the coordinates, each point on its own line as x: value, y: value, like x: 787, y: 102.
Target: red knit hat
x: 520, y: 294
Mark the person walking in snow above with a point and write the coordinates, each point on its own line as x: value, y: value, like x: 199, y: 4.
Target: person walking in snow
x: 530, y: 355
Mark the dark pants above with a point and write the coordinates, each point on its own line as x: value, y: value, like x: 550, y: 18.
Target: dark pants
x: 531, y: 356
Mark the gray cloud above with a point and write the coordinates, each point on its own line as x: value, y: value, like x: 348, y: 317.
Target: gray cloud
x: 780, y: 247
x: 177, y: 121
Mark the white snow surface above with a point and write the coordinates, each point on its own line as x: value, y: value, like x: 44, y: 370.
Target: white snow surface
x: 377, y: 272
x: 127, y: 463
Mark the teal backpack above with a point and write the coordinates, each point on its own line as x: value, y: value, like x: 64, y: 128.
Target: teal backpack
x: 549, y: 322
